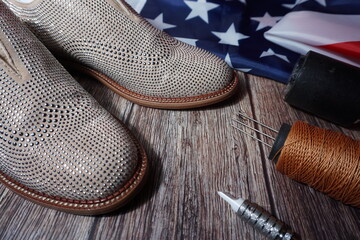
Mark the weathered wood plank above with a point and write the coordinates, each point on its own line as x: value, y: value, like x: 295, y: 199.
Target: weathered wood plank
x: 193, y: 154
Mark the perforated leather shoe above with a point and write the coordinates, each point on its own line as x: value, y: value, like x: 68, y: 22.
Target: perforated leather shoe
x: 58, y: 146
x: 108, y: 40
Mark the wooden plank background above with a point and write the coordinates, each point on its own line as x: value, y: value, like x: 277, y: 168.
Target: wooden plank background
x: 193, y: 154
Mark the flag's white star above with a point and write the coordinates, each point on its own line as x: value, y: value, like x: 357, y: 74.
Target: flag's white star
x: 270, y: 52
x: 266, y: 21
x: 138, y: 5
x: 200, y: 8
x: 228, y: 61
x: 190, y: 41
x: 230, y: 37
x: 158, y: 22
x: 244, y: 69
x: 321, y: 2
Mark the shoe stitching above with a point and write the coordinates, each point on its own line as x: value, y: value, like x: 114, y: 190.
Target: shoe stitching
x: 221, y: 92
x: 81, y: 204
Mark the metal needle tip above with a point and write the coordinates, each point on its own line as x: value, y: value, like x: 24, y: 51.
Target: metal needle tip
x: 234, y: 203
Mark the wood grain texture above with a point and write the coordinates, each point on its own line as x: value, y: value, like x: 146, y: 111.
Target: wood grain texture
x: 193, y: 154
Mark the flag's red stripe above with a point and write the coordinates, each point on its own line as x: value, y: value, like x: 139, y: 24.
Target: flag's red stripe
x: 350, y: 49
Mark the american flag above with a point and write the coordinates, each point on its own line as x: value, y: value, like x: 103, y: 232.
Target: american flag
x: 234, y: 29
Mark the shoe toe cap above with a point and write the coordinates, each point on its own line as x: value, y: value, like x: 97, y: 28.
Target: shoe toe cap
x: 104, y: 164
x: 199, y: 72
x: 77, y: 161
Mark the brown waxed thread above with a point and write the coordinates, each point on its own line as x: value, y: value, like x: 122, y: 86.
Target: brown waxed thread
x: 325, y: 160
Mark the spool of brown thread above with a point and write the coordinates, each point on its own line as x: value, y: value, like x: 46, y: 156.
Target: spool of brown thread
x: 325, y: 160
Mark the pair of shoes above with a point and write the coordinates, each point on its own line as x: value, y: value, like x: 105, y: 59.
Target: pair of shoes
x: 58, y: 146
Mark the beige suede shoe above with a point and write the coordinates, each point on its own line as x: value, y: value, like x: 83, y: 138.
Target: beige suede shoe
x: 107, y: 39
x: 58, y: 146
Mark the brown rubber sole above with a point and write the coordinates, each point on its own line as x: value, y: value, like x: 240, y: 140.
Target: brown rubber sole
x: 86, y: 207
x: 157, y: 102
